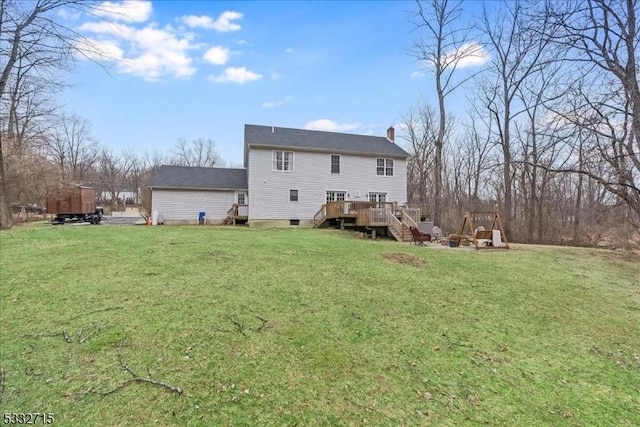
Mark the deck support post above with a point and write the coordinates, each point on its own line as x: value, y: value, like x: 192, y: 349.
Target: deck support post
x: 373, y: 234
x: 342, y: 224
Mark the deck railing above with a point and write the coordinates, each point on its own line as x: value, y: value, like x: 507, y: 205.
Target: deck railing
x: 320, y: 216
x: 412, y: 213
x: 395, y: 226
x: 237, y: 210
x: 373, y: 217
x: 411, y: 217
x: 346, y: 208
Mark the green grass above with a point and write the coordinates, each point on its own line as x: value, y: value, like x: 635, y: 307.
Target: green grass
x: 531, y: 336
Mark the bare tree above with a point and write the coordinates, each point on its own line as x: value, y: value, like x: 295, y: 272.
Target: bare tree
x: 443, y: 44
x: 475, y: 151
x: 115, y: 172
x: 72, y: 147
x: 603, y: 37
x: 420, y: 133
x: 23, y: 121
x: 150, y: 163
x: 199, y: 152
x: 30, y: 38
x: 517, y: 53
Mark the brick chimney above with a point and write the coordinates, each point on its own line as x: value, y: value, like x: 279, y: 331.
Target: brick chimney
x: 391, y: 134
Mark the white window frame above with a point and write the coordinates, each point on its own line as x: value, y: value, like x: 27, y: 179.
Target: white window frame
x: 376, y: 197
x: 244, y: 198
x: 285, y: 166
x: 334, y: 197
x: 339, y: 163
x: 297, y: 194
x: 387, y: 166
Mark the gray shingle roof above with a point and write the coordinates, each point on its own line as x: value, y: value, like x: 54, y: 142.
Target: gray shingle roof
x: 273, y: 136
x: 196, y: 178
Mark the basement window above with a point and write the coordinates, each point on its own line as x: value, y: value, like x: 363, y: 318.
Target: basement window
x: 294, y: 222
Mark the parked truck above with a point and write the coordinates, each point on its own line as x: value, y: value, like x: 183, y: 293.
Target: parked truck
x: 73, y: 203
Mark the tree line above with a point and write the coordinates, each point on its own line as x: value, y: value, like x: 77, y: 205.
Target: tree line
x: 41, y: 145
x: 551, y: 139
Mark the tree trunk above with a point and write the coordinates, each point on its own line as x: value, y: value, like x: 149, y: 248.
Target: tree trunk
x: 6, y: 220
x: 506, y: 170
x: 437, y: 200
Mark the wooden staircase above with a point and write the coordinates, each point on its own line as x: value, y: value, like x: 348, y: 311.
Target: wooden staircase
x: 237, y: 214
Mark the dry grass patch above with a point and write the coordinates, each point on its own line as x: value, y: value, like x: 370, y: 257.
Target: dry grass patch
x: 407, y: 259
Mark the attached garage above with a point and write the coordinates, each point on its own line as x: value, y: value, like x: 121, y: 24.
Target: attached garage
x: 180, y: 194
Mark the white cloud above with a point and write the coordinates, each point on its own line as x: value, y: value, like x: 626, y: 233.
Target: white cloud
x: 66, y: 15
x: 127, y: 11
x: 330, y: 125
x: 418, y: 74
x: 468, y: 55
x: 223, y: 24
x: 101, y: 50
x: 279, y: 103
x: 288, y: 50
x: 150, y: 53
x: 238, y: 75
x: 217, y: 55
x: 122, y: 31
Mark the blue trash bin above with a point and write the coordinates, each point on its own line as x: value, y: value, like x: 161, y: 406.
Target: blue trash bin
x: 202, y: 218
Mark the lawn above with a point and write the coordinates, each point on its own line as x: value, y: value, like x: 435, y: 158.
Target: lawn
x: 107, y: 325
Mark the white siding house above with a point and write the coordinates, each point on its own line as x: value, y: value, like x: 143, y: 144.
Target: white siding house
x: 290, y: 174
x: 273, y: 192
x: 293, y: 172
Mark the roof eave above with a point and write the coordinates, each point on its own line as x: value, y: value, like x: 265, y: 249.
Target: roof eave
x: 165, y: 187
x: 324, y: 150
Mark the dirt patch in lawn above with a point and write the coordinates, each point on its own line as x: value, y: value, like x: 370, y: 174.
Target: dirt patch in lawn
x: 407, y: 259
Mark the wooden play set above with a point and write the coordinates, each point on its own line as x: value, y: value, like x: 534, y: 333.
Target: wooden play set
x: 489, y: 236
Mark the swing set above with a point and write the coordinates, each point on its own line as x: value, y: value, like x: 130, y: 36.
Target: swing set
x: 492, y: 237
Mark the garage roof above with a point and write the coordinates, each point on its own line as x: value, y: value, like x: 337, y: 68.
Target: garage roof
x: 197, y: 178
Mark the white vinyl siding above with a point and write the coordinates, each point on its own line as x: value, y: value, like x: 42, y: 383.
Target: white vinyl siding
x: 184, y: 205
x: 269, y: 189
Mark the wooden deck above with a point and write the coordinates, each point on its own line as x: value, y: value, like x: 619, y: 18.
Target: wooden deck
x: 370, y: 215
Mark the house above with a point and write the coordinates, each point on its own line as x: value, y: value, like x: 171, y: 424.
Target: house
x: 180, y: 193
x: 292, y: 177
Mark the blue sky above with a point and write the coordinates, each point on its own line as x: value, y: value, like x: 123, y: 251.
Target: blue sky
x: 189, y: 69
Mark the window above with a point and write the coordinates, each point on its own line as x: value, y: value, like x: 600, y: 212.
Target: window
x: 384, y: 167
x: 241, y: 199
x: 377, y: 197
x: 335, y: 196
x: 335, y: 163
x: 283, y: 160
x: 294, y: 222
x: 293, y: 195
